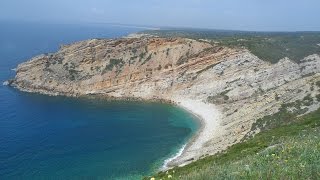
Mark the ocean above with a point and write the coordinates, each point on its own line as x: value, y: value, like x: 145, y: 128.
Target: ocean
x: 43, y: 137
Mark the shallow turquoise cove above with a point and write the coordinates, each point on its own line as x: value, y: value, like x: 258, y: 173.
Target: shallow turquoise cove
x: 45, y: 137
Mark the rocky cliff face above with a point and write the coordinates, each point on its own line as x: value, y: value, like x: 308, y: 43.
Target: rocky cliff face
x: 108, y: 66
x: 243, y: 87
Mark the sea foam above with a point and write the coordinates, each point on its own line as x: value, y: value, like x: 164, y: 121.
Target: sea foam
x: 175, y: 156
x: 5, y: 83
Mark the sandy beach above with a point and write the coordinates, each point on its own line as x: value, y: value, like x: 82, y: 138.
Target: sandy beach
x: 209, y: 117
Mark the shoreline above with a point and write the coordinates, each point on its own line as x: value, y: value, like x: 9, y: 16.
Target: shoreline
x: 167, y: 164
x: 208, y: 116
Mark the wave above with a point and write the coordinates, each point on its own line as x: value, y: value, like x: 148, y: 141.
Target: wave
x: 167, y: 161
x: 5, y: 83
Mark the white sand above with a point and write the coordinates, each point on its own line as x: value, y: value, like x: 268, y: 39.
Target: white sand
x: 209, y: 116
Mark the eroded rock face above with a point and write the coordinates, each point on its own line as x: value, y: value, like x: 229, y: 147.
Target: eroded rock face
x: 101, y: 66
x: 243, y: 87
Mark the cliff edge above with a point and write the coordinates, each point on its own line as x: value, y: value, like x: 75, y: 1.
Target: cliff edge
x: 229, y: 88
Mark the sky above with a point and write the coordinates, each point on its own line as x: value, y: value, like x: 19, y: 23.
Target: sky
x: 254, y: 15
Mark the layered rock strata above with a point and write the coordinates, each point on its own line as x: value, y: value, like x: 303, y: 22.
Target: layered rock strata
x: 229, y: 88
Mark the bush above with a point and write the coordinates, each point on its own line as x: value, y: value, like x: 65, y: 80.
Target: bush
x: 290, y: 151
x: 118, y: 63
x: 268, y: 46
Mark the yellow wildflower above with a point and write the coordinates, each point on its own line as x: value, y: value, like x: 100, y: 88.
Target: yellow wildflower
x: 152, y: 178
x: 169, y: 176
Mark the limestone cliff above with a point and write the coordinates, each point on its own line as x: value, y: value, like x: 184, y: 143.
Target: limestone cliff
x: 241, y: 86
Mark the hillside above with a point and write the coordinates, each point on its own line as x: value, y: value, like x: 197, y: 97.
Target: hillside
x: 289, y: 151
x: 268, y: 46
x: 236, y: 93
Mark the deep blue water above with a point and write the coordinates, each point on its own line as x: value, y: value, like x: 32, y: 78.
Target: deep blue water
x: 45, y: 137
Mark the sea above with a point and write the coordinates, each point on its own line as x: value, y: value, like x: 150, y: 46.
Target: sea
x: 45, y: 137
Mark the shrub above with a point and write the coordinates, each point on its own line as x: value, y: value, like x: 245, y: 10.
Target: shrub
x: 118, y: 63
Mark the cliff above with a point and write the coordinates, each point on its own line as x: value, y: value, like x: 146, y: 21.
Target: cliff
x: 238, y: 87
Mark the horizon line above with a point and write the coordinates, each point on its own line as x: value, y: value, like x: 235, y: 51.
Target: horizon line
x: 159, y: 28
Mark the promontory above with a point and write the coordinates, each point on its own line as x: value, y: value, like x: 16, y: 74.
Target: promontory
x: 229, y: 88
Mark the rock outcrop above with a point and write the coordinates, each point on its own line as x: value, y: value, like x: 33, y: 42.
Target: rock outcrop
x: 241, y: 86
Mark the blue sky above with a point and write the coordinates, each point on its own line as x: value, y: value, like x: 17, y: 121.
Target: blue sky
x: 261, y: 15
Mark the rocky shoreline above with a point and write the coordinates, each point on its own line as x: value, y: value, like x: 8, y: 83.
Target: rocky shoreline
x: 228, y: 88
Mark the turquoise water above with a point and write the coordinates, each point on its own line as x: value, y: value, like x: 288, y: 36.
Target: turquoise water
x: 45, y: 137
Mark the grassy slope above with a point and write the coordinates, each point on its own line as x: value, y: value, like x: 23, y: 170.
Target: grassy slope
x: 291, y: 151
x: 267, y: 46
x: 288, y: 147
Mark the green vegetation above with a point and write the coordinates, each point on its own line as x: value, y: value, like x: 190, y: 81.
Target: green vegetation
x: 59, y: 59
x: 218, y: 99
x: 73, y: 74
x: 286, y: 115
x: 185, y: 58
x: 182, y: 60
x: 118, y: 63
x: 134, y: 50
x: 47, y: 65
x: 291, y: 151
x: 133, y: 59
x: 269, y: 46
x: 148, y: 59
x: 167, y: 53
x: 141, y: 56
